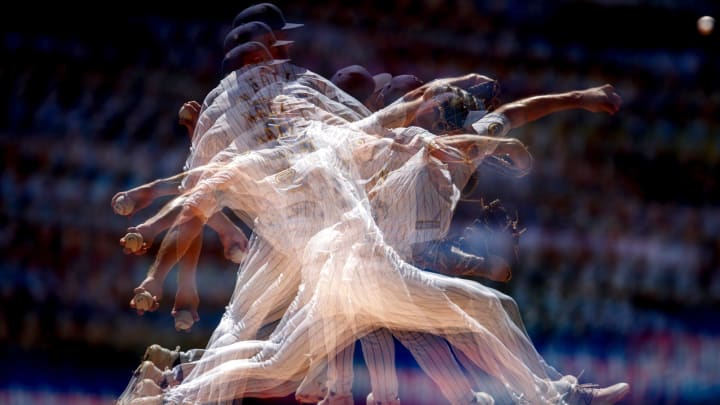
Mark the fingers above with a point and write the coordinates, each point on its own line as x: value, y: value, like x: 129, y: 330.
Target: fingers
x: 122, y: 204
x: 614, y: 101
x: 189, y: 112
x: 236, y: 253
x: 602, y: 99
x: 134, y: 243
x: 143, y: 301
x: 236, y: 248
x: 186, y: 302
x: 188, y: 115
x: 189, y: 109
x: 185, y: 319
x: 479, y: 79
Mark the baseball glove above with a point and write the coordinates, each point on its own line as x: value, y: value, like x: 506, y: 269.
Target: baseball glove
x: 494, y: 236
x: 500, y: 232
x: 487, y: 248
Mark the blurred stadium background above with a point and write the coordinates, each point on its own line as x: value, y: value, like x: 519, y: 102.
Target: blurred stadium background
x: 619, y: 274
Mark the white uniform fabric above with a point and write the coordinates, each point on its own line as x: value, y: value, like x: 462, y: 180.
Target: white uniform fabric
x: 279, y: 276
x: 235, y: 118
x: 240, y: 105
x: 306, y: 195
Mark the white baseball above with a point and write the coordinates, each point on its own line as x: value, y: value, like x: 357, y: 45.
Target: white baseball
x: 133, y: 241
x: 123, y: 205
x: 183, y: 320
x: 185, y: 113
x: 237, y: 255
x: 144, y: 301
x: 705, y: 24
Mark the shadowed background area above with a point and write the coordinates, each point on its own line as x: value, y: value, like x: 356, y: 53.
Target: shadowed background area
x: 619, y: 271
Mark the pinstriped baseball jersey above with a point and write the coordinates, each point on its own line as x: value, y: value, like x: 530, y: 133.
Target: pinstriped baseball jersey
x: 237, y: 113
x: 230, y: 203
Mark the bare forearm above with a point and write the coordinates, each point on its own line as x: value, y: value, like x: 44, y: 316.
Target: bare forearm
x: 166, y: 186
x: 174, y: 246
x: 595, y: 99
x: 530, y: 109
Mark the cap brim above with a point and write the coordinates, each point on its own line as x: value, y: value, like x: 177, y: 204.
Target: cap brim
x: 282, y: 42
x: 289, y: 26
x: 381, y: 79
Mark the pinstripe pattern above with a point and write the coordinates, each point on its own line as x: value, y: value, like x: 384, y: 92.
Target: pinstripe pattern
x: 327, y: 313
x: 399, y: 191
x: 260, y: 297
x: 342, y: 381
x: 435, y: 199
x: 235, y: 116
x: 339, y: 377
x: 437, y: 360
x: 265, y: 285
x: 379, y: 353
x: 273, y: 354
x: 421, y: 187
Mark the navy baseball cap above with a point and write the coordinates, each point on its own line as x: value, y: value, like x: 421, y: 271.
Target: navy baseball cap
x: 248, y: 53
x: 397, y: 87
x: 355, y: 80
x: 268, y: 13
x: 252, y: 31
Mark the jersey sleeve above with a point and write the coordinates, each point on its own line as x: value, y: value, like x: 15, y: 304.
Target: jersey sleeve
x: 492, y: 124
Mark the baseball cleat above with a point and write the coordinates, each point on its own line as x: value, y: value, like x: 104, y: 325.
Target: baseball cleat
x: 586, y: 394
x: 162, y: 358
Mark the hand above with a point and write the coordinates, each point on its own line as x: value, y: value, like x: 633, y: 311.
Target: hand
x: 188, y: 115
x: 123, y: 204
x: 144, y: 301
x: 235, y: 246
x: 601, y: 99
x: 128, y: 244
x: 129, y: 202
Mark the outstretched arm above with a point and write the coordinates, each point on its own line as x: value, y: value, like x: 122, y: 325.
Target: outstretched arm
x: 404, y: 112
x: 131, y: 201
x: 233, y: 238
x: 594, y: 99
x: 512, y: 156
